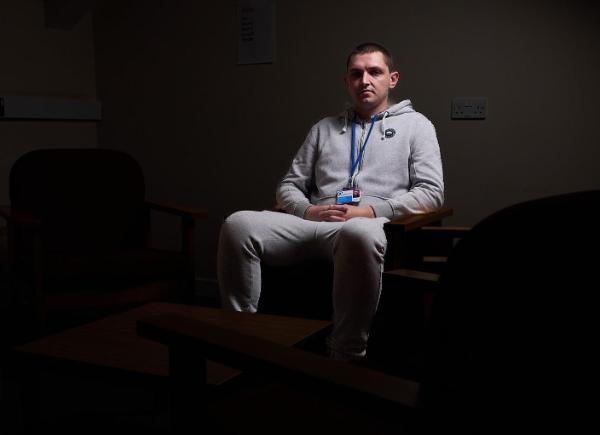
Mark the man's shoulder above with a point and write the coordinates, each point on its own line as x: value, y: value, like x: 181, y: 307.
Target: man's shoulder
x: 329, y: 121
x: 412, y: 116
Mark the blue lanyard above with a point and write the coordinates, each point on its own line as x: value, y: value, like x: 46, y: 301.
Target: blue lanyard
x: 354, y: 163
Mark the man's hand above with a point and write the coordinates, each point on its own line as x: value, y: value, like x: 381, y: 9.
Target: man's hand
x: 327, y: 213
x: 336, y: 213
x: 353, y: 211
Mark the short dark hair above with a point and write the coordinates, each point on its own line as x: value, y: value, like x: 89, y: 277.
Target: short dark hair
x: 372, y: 47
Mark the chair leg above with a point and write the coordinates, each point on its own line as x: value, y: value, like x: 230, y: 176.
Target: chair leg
x: 188, y: 241
x: 39, y: 295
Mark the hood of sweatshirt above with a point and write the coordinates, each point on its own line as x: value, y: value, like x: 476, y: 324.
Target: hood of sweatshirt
x: 348, y: 115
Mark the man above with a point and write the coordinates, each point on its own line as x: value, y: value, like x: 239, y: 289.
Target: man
x: 353, y: 173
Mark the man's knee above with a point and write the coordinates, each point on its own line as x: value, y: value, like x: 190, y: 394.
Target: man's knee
x: 239, y: 223
x: 362, y: 235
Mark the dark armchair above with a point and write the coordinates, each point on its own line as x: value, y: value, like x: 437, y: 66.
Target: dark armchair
x: 78, y: 229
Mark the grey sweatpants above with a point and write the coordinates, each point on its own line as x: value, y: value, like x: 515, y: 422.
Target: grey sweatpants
x: 357, y: 248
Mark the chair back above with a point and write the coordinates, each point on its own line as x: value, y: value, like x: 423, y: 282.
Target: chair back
x: 90, y: 200
x: 513, y: 325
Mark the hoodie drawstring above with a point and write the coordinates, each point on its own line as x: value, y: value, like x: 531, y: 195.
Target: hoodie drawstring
x: 386, y: 113
x: 346, y: 115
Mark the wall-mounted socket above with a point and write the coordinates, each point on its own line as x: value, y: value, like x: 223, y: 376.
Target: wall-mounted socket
x: 468, y: 108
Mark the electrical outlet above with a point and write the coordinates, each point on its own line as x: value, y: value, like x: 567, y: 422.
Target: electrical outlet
x: 468, y: 108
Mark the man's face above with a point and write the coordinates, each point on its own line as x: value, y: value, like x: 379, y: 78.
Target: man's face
x: 369, y: 81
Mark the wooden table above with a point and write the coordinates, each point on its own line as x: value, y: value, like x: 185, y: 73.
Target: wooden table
x: 112, y: 344
x: 111, y: 351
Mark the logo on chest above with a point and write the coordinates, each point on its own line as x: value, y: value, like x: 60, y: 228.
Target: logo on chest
x: 389, y: 133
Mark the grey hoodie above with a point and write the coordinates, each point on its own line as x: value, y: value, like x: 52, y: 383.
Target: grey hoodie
x: 400, y: 173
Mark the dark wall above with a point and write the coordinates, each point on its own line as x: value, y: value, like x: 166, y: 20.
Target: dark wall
x: 217, y: 135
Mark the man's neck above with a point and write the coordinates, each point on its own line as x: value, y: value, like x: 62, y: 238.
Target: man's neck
x: 366, y: 114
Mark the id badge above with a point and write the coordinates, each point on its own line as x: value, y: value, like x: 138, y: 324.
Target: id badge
x: 344, y: 196
x: 348, y: 196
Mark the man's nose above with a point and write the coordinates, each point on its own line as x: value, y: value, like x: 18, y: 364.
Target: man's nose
x: 365, y: 78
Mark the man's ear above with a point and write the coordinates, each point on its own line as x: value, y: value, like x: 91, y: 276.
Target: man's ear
x: 394, y: 77
x: 345, y: 80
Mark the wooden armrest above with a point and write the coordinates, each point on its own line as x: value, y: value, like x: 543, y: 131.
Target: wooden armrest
x: 178, y: 210
x: 415, y: 221
x: 411, y: 222
x: 249, y: 352
x: 414, y: 275
x: 19, y: 217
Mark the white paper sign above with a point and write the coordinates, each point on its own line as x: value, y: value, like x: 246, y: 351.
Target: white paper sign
x: 256, y: 42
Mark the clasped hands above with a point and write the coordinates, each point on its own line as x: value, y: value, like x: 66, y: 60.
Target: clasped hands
x: 336, y: 213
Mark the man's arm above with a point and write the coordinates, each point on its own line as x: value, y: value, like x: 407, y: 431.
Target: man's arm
x: 294, y: 189
x: 427, y: 183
